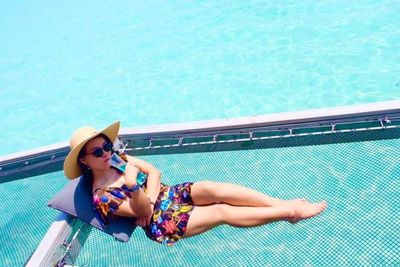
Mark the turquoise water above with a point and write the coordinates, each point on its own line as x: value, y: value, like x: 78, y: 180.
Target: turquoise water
x: 65, y: 64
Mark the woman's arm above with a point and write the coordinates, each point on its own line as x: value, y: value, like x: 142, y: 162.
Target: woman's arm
x: 153, y: 178
x: 139, y: 202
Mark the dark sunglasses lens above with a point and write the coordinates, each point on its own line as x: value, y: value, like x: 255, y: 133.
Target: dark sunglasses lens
x: 107, y: 147
x: 98, y: 152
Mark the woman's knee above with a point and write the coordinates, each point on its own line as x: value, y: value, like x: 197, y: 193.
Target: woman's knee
x: 222, y: 212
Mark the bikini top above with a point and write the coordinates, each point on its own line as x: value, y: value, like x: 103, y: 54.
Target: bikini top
x: 106, y: 200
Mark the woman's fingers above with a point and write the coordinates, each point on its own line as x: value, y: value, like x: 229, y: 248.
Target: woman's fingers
x: 148, y: 220
x: 131, y: 169
x: 143, y: 221
x: 131, y: 172
x: 139, y: 221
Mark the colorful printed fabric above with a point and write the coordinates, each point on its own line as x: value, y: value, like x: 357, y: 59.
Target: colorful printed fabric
x: 171, y: 214
x: 106, y: 201
x: 171, y: 210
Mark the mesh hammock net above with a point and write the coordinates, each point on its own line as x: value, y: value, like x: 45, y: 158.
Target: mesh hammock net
x: 357, y: 173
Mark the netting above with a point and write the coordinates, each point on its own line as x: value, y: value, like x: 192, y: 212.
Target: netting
x: 356, y: 172
x: 359, y: 178
x: 25, y: 217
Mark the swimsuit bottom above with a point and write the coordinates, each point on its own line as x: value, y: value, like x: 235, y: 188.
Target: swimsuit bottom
x: 171, y: 214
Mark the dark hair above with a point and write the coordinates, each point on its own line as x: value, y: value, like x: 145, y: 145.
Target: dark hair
x: 86, y: 172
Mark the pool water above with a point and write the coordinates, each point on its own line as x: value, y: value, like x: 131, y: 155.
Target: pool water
x: 65, y: 64
x: 69, y: 63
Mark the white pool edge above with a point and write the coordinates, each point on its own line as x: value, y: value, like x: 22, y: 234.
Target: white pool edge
x: 339, y: 112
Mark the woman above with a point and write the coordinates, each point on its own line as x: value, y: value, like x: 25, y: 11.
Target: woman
x: 168, y: 213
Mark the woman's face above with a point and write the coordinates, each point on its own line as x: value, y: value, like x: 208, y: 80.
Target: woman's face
x: 97, y: 154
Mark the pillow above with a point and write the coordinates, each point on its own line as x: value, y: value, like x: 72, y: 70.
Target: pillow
x: 76, y: 199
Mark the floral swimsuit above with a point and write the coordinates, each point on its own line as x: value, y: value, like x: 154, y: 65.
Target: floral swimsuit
x: 171, y: 210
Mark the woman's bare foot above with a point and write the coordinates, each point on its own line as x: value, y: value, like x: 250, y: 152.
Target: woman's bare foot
x: 303, y: 210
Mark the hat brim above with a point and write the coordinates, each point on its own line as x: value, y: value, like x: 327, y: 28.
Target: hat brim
x: 71, y: 166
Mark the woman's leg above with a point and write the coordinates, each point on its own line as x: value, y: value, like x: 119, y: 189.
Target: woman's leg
x: 204, y: 218
x: 205, y: 193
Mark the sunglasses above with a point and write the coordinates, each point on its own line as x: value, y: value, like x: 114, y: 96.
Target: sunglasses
x: 98, y: 151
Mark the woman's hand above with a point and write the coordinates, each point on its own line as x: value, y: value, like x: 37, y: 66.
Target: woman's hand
x: 153, y: 177
x: 144, y: 221
x: 131, y: 172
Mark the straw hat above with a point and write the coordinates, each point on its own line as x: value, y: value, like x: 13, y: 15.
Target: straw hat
x: 78, y: 139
